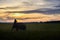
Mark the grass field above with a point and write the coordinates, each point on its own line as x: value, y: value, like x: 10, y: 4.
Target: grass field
x: 46, y: 31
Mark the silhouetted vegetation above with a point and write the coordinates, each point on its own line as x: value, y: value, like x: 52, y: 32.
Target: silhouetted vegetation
x: 53, y: 22
x: 38, y: 22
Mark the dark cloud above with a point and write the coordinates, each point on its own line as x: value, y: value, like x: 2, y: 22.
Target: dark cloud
x: 57, y: 6
x: 44, y: 10
x: 52, y: 6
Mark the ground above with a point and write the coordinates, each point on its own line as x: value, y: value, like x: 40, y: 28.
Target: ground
x: 34, y: 31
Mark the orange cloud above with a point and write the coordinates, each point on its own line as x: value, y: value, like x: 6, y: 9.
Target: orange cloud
x: 32, y: 17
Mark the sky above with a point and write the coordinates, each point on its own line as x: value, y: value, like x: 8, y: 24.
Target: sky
x: 38, y: 10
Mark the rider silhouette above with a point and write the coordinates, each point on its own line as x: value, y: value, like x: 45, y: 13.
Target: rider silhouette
x: 18, y: 26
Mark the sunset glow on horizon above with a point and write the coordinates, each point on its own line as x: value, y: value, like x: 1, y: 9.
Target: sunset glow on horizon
x: 29, y: 10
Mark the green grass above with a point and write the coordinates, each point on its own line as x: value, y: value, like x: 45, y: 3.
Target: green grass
x: 33, y: 27
x: 41, y: 31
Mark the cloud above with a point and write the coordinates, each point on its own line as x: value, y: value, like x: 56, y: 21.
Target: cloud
x: 33, y: 17
x: 41, y: 10
x: 58, y: 6
x: 37, y: 3
x: 33, y: 6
